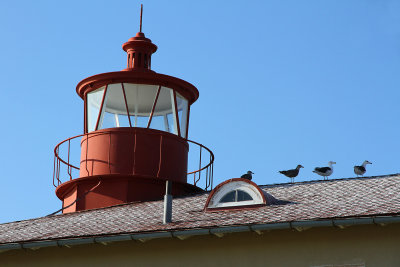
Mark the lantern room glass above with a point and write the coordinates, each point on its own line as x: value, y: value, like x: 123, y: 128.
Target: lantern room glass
x: 137, y: 105
x: 112, y: 115
x: 93, y: 104
x: 164, y: 106
x: 183, y: 107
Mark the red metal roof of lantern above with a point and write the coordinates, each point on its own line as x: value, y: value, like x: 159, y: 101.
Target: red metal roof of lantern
x: 135, y: 137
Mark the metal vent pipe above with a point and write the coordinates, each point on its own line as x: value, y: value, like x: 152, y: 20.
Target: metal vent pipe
x: 168, y: 203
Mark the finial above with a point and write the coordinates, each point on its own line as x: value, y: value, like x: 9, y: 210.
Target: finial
x: 141, y: 14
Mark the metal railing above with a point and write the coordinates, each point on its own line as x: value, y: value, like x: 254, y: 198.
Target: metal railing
x: 67, y: 160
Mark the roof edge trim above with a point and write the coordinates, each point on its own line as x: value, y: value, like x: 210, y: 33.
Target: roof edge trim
x: 218, y: 231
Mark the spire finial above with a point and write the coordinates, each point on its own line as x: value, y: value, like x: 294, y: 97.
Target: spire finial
x: 141, y: 14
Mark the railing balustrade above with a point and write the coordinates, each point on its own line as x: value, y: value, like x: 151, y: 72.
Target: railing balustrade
x: 67, y: 159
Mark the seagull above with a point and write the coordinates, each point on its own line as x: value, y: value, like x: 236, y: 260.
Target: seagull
x: 292, y: 173
x: 247, y: 175
x: 325, y: 171
x: 360, y: 170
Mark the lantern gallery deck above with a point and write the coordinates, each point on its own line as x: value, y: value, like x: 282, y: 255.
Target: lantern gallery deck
x: 67, y: 164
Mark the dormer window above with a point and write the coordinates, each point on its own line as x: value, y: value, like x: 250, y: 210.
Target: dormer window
x: 236, y: 196
x: 235, y: 193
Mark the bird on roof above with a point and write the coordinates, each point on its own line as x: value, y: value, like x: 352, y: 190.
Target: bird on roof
x: 360, y: 170
x: 247, y: 175
x: 292, y: 173
x: 325, y: 171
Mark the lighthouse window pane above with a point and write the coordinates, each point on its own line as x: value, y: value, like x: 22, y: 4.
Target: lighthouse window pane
x: 140, y: 99
x: 171, y: 120
x: 157, y: 122
x: 93, y: 103
x: 139, y: 121
x: 108, y: 121
x: 114, y: 108
x: 182, y: 105
x: 162, y: 120
x: 123, y: 120
x: 111, y: 120
x: 174, y: 113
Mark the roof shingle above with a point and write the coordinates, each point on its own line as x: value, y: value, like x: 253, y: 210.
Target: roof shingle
x: 315, y: 200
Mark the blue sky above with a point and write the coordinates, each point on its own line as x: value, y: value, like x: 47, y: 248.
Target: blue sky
x: 281, y: 83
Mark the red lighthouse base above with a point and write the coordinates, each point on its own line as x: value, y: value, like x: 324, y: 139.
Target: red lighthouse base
x: 108, y: 190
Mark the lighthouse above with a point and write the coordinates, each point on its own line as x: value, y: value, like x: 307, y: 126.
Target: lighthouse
x: 135, y: 137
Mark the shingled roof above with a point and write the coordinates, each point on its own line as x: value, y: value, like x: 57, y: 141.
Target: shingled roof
x: 367, y: 197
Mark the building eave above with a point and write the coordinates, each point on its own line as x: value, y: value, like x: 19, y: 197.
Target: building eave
x: 217, y: 231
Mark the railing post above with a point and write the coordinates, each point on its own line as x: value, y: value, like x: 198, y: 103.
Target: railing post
x: 86, y: 157
x: 109, y: 152
x: 212, y: 175
x: 68, y: 166
x: 206, y: 178
x: 200, y: 164
x: 54, y: 170
x: 58, y: 167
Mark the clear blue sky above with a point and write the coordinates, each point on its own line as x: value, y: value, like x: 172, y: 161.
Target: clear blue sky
x: 281, y: 83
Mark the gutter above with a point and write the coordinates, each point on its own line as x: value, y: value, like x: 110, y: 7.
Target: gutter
x: 217, y: 231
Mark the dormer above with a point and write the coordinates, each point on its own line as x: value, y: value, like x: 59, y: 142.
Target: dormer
x: 236, y: 193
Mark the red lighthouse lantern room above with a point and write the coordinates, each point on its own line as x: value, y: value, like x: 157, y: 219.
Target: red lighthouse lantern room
x: 135, y: 137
